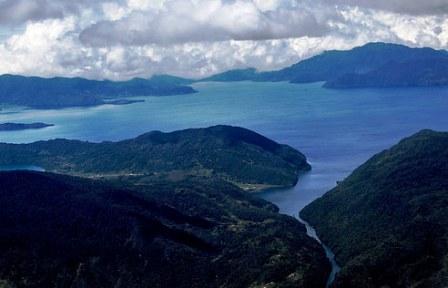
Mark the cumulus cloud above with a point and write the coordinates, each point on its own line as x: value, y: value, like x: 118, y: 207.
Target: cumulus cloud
x: 121, y: 39
x: 182, y: 21
x: 16, y: 12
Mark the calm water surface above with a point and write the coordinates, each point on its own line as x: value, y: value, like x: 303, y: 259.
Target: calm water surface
x: 337, y: 130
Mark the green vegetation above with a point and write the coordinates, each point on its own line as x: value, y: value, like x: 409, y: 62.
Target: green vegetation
x: 161, y: 212
x: 388, y: 222
x: 233, y: 154
x: 59, y: 231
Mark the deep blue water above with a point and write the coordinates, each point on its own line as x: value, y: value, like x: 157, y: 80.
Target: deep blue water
x: 337, y: 130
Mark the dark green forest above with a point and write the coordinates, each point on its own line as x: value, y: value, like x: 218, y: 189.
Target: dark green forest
x: 388, y: 222
x: 230, y: 153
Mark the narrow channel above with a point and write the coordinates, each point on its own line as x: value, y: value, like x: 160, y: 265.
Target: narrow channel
x: 292, y: 200
x: 335, y: 268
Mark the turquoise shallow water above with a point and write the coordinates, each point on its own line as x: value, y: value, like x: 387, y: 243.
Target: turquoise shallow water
x: 337, y: 130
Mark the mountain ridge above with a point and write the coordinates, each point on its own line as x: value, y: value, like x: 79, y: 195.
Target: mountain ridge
x: 139, y: 228
x: 62, y: 231
x: 387, y: 221
x: 337, y: 65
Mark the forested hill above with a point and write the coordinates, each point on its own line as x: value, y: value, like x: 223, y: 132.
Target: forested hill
x: 58, y: 231
x: 233, y: 154
x: 62, y: 92
x: 388, y: 222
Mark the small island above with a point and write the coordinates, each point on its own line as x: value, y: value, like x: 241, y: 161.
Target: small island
x: 22, y: 126
x: 121, y: 101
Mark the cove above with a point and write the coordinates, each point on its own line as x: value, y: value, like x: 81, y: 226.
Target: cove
x: 336, y: 129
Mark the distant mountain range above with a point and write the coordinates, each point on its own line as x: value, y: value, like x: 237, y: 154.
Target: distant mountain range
x: 372, y: 65
x: 388, y: 221
x: 61, y: 92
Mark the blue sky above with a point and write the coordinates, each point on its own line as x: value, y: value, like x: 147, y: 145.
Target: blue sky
x: 137, y: 38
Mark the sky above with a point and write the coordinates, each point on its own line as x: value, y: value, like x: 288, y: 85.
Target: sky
x: 123, y: 39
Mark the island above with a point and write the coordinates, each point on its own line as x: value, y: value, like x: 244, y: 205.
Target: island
x: 23, y: 126
x: 371, y: 65
x: 60, y: 92
x: 159, y: 210
x: 233, y: 154
x: 122, y: 101
x: 388, y: 221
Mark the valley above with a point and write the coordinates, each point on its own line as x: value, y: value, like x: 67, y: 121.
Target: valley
x: 386, y: 222
x: 223, y: 144
x: 154, y: 206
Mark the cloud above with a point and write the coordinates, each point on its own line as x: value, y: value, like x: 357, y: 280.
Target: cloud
x: 413, y: 7
x: 183, y: 21
x: 194, y: 38
x: 17, y: 12
x: 52, y: 48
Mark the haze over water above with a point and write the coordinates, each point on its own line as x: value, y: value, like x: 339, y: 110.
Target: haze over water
x: 336, y: 129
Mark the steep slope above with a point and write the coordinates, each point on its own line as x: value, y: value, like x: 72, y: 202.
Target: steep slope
x: 388, y: 222
x: 230, y: 153
x: 59, y: 231
x: 61, y: 92
x: 333, y: 64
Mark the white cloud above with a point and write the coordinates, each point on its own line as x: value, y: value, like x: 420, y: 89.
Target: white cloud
x: 415, y: 7
x: 195, y: 38
x: 17, y: 12
x: 113, y: 11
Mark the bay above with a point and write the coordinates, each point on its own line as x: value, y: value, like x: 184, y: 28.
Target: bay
x: 336, y: 129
